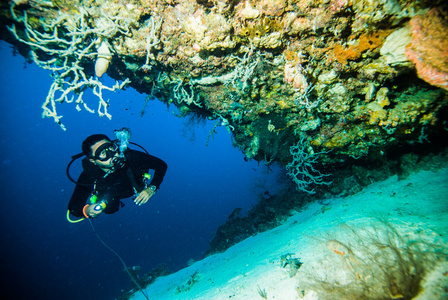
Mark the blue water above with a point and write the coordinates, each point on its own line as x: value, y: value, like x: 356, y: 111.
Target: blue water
x: 45, y: 257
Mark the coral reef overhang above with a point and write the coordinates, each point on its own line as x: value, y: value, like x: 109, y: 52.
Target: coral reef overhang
x: 348, y: 78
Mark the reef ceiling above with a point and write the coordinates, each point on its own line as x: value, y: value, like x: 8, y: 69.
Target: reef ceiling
x: 341, y: 77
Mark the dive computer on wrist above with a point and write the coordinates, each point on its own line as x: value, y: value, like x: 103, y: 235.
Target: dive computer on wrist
x: 153, y: 188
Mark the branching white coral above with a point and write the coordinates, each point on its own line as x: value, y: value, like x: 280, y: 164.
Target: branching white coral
x: 301, y: 169
x: 64, y: 44
x: 244, y: 69
x: 66, y: 87
x: 239, y: 77
x: 182, y: 95
x: 152, y: 41
x: 303, y: 99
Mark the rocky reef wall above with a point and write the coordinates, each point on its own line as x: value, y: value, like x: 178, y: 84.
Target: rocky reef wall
x: 345, y: 78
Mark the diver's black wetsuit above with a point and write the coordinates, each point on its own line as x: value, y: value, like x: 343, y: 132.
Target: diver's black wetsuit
x: 117, y: 185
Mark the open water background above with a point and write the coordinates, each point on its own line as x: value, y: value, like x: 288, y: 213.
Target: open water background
x: 45, y: 257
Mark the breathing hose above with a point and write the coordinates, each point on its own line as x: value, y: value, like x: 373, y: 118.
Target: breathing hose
x: 119, y: 257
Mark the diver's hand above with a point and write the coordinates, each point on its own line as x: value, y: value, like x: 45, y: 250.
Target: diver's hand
x: 144, y: 196
x: 91, y: 212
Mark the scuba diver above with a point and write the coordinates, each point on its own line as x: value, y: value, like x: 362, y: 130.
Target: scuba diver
x: 112, y: 172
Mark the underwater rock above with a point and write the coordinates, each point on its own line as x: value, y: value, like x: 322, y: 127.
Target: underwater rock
x: 248, y: 12
x: 271, y: 41
x: 394, y: 47
x: 296, y: 78
x: 328, y: 77
x: 340, y: 73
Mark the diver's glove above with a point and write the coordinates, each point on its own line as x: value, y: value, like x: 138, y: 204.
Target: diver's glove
x: 90, y: 211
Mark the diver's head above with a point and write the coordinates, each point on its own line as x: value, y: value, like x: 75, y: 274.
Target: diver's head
x: 103, y: 153
x: 90, y: 141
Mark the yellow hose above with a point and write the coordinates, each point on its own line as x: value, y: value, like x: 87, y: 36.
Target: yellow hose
x: 71, y: 221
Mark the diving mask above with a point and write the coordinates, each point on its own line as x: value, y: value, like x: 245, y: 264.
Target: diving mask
x: 110, y: 150
x: 106, y: 151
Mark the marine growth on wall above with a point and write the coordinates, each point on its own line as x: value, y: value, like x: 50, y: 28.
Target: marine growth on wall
x: 341, y: 78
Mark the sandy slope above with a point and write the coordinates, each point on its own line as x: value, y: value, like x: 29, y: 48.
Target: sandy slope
x: 334, y: 242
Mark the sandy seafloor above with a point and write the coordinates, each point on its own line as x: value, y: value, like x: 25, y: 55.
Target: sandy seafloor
x: 416, y: 207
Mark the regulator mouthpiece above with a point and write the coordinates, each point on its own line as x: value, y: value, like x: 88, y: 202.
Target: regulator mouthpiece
x: 123, y: 136
x: 118, y: 161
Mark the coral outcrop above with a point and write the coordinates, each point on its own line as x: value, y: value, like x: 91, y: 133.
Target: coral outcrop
x: 338, y: 74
